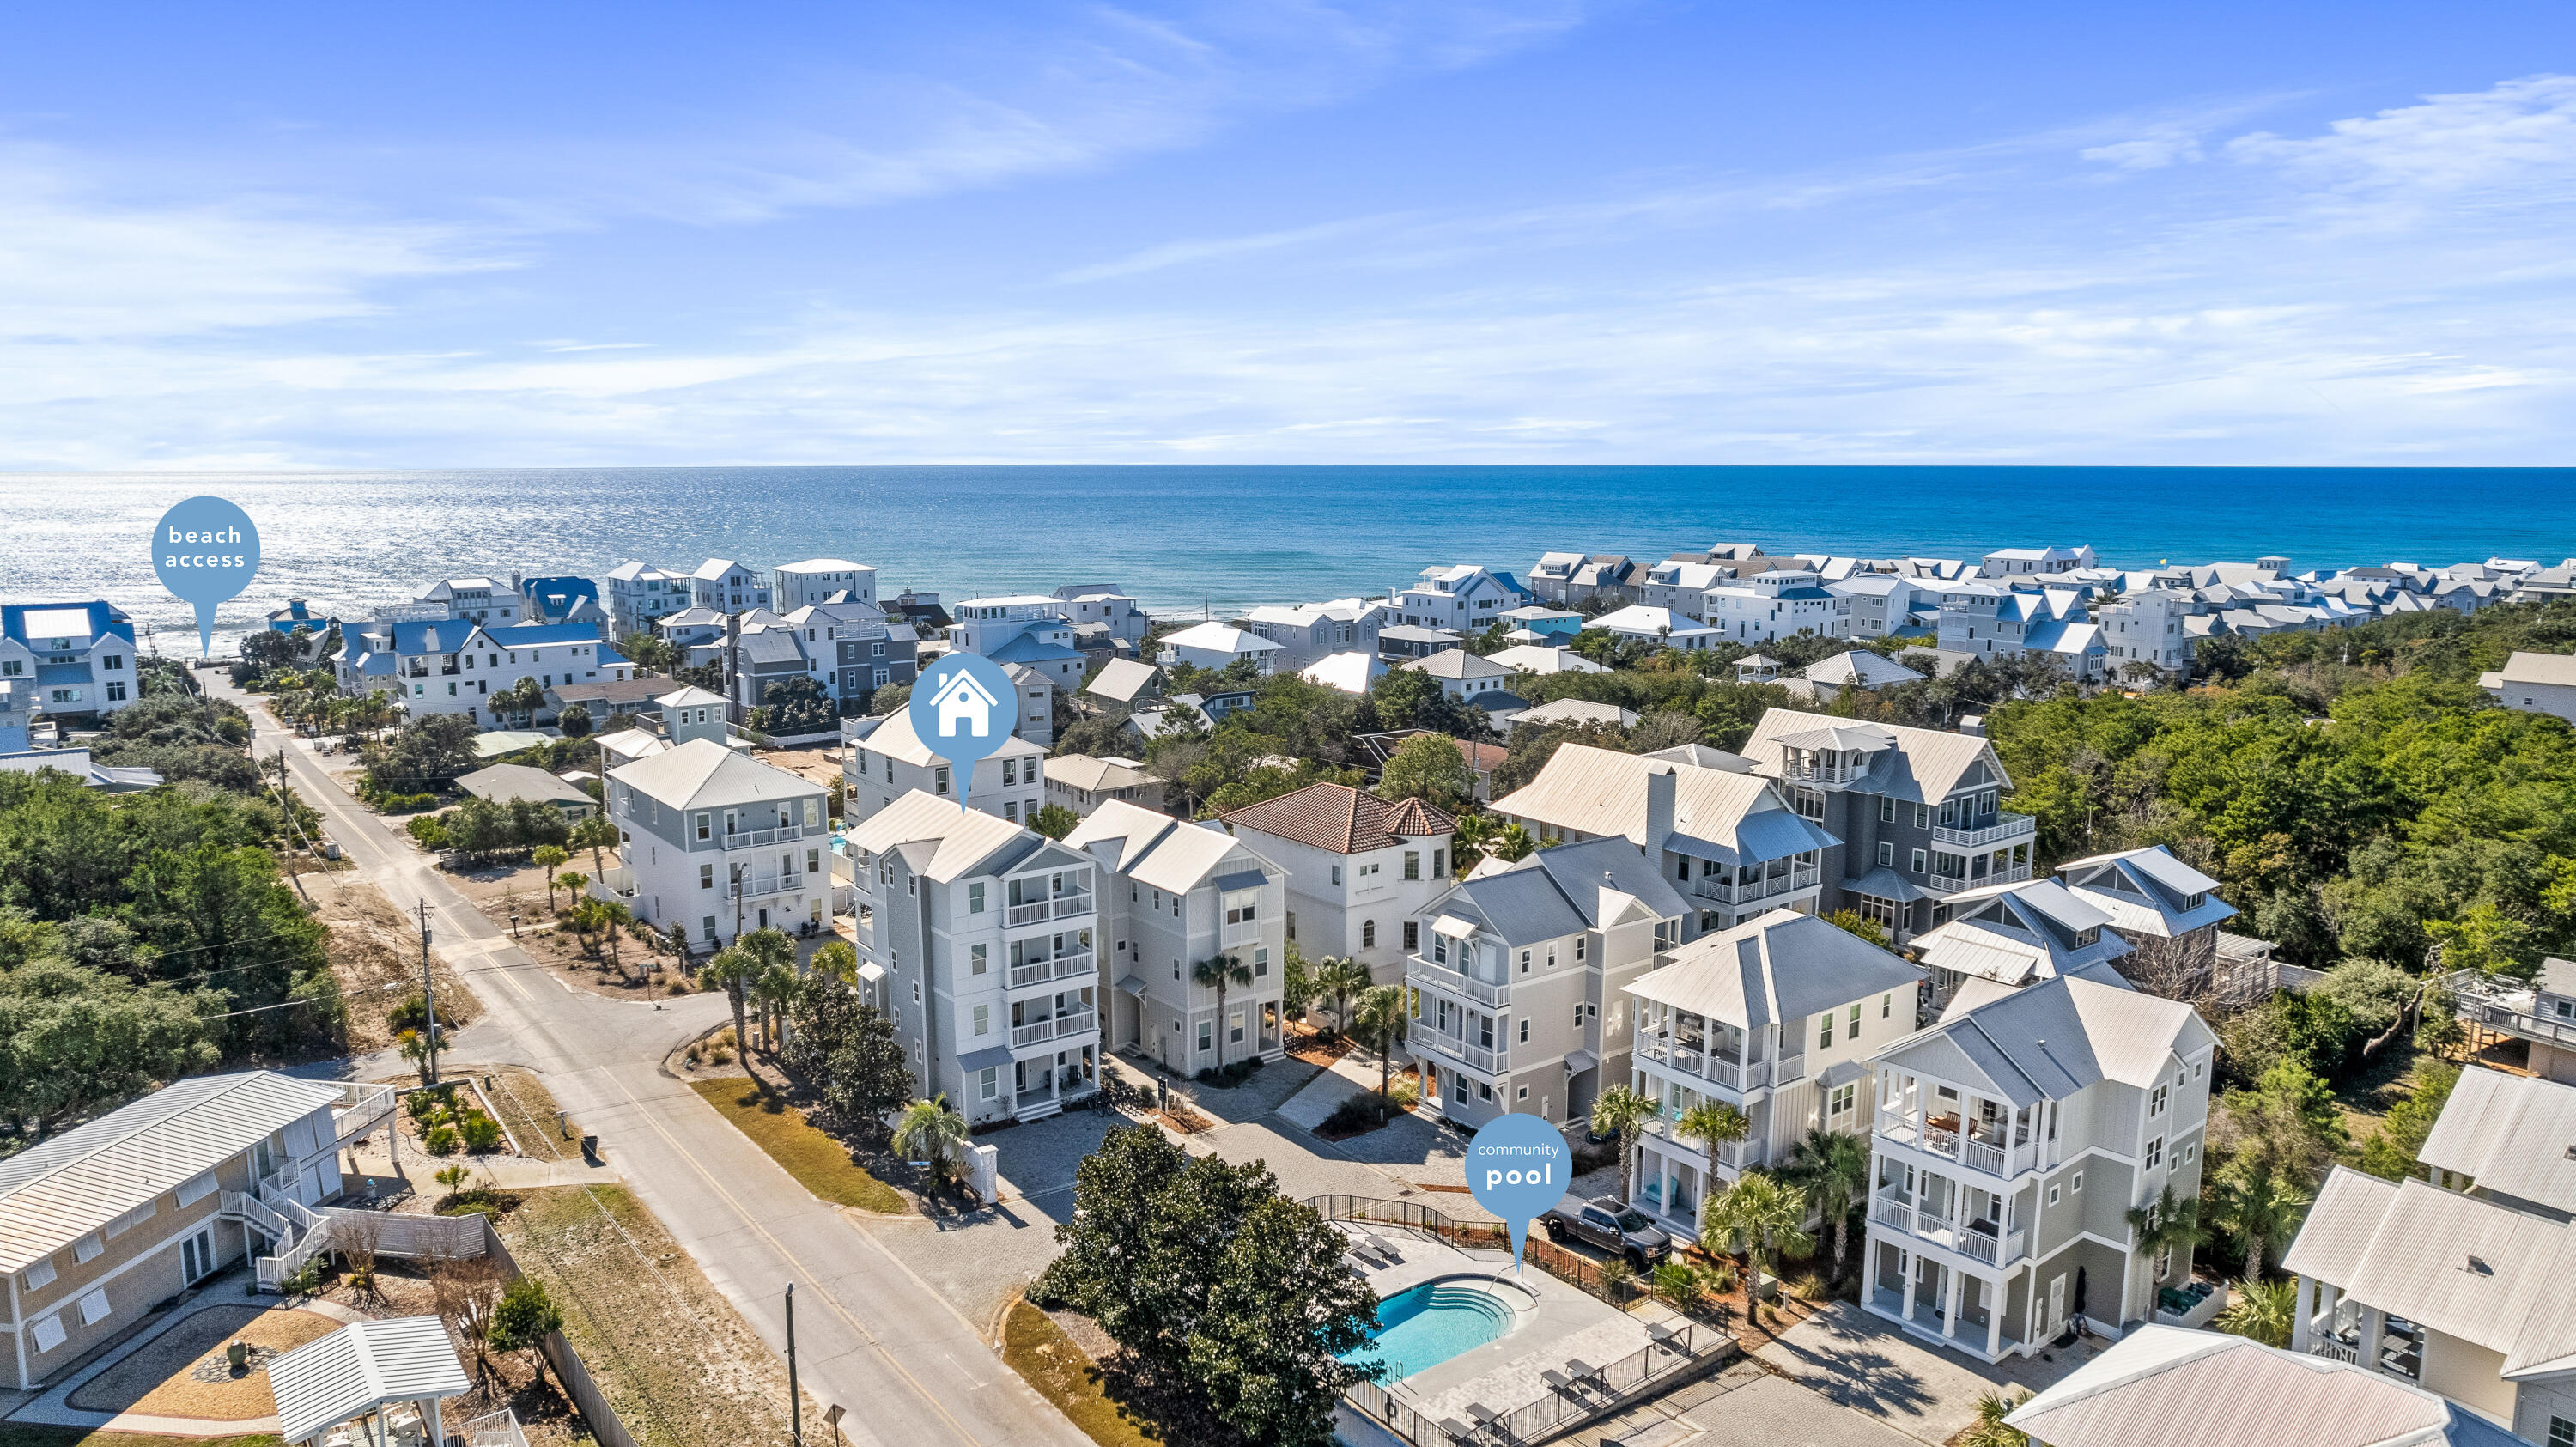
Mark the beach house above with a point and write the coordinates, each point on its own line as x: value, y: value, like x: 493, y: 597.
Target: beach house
x: 821, y: 580
x: 978, y: 938
x: 1460, y: 598
x: 725, y: 586
x: 455, y: 667
x: 1178, y: 894
x: 887, y: 760
x: 1358, y: 870
x: 716, y: 843
x: 1220, y: 645
x: 640, y: 595
x: 75, y: 659
x: 2535, y: 683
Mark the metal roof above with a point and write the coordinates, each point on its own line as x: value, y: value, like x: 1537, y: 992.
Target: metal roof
x: 702, y: 773
x: 2512, y: 1134
x: 1154, y: 849
x: 960, y: 841
x: 359, y: 1368
x: 1717, y: 813
x: 1924, y: 766
x: 59, y: 1190
x: 2055, y: 1038
x: 2237, y: 1392
x: 894, y: 736
x: 1779, y: 966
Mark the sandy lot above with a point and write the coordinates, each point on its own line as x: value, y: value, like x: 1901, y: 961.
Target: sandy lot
x: 374, y: 945
x: 183, y: 1372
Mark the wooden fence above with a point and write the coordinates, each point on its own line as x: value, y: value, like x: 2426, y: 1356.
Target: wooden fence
x: 606, y: 1427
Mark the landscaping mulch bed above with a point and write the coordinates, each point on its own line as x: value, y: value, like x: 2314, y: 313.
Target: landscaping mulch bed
x: 183, y: 1372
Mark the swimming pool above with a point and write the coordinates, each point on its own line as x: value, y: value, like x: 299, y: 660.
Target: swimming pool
x: 1423, y: 1326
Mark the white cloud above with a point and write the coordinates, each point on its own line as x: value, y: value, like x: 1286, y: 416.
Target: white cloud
x: 2515, y: 134
x: 2168, y: 147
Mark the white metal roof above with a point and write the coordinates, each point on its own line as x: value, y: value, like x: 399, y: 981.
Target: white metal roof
x: 59, y: 1190
x: 703, y: 774
x: 957, y: 841
x: 1155, y: 849
x: 359, y: 1368
x: 2512, y: 1134
x: 895, y: 736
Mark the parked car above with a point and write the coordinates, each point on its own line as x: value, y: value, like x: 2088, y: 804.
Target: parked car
x: 1611, y: 1225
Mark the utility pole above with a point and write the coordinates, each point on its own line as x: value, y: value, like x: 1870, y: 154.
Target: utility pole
x: 428, y: 992
x: 286, y: 803
x: 795, y: 1403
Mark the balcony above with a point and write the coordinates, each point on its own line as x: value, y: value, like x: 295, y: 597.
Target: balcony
x: 1419, y: 971
x: 1065, y: 966
x: 1726, y: 891
x: 1484, y: 1060
x: 764, y: 885
x: 1978, y: 1150
x: 1234, y: 936
x: 1085, y: 1022
x: 1063, y: 906
x: 756, y: 838
x: 1953, y: 883
x: 617, y: 882
x: 2006, y: 828
x: 1976, y: 1240
x: 1733, y: 1156
x: 1825, y: 773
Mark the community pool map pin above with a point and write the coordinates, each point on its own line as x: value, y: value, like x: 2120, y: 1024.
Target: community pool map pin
x: 962, y: 709
x: 1518, y: 1167
x: 206, y: 551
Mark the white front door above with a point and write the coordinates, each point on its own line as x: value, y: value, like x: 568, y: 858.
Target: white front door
x: 2057, y: 1303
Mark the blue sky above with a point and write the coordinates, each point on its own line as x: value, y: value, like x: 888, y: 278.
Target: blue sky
x: 1495, y: 231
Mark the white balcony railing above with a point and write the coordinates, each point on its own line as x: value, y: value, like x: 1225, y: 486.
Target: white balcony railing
x: 1977, y: 1151
x: 1085, y: 1022
x: 756, y: 838
x: 1063, y: 906
x: 1419, y: 971
x: 1485, y: 1060
x: 1953, y: 883
x: 1075, y: 961
x: 1825, y: 773
x: 2006, y: 826
x: 1726, y: 891
x: 764, y: 885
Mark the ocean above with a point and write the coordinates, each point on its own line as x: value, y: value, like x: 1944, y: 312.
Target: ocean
x: 1186, y: 539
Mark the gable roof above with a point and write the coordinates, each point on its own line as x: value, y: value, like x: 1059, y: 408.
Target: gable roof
x: 2054, y: 1039
x: 1219, y: 638
x: 61, y: 1189
x: 1556, y: 892
x: 893, y: 735
x: 2237, y: 1392
x: 1341, y: 820
x: 705, y: 774
x: 1458, y: 663
x: 2144, y: 891
x: 359, y: 1368
x: 2464, y: 1266
x: 1124, y: 679
x: 1923, y: 765
x: 1778, y: 966
x: 943, y: 842
x: 1718, y: 814
x: 1861, y: 668
x: 2515, y: 1135
x: 1082, y: 771
x: 1155, y: 849
x: 504, y: 782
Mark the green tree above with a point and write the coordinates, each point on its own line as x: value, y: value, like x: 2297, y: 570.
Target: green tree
x: 549, y: 858
x: 1990, y: 1429
x: 595, y: 834
x: 733, y: 969
x: 1055, y: 821
x: 847, y: 1051
x: 1221, y: 973
x: 74, y: 1038
x: 2391, y: 1150
x: 1296, y: 985
x: 1854, y: 922
x: 2263, y: 1311
x: 2285, y: 1127
x: 427, y: 755
x: 793, y: 705
x: 1833, y: 1168
x: 1282, y: 1310
x: 933, y: 1131
x: 1754, y: 1218
x: 1338, y: 978
x: 1381, y: 1015
x: 574, y: 720
x: 2257, y: 1209
x: 1621, y: 1111
x: 1429, y: 767
x: 523, y: 1319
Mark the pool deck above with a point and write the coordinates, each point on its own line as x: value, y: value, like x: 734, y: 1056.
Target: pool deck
x: 1555, y: 1322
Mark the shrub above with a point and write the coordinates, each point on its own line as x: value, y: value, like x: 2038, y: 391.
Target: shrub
x: 482, y: 1133
x: 720, y: 1055
x: 405, y: 803
x: 422, y: 1104
x: 441, y: 1141
x: 1359, y: 1113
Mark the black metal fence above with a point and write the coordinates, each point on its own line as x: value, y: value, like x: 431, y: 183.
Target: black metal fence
x: 1581, y: 1399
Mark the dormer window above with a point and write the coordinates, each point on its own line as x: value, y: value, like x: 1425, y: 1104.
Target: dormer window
x: 2085, y: 938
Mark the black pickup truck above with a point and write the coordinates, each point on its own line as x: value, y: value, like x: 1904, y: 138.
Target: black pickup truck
x: 1610, y: 1225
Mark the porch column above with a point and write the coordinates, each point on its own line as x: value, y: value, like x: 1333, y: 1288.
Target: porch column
x: 1959, y: 1141
x: 1951, y: 1297
x: 1997, y: 1293
x: 2374, y: 1324
x: 1905, y: 1266
x: 437, y: 1426
x: 2299, y: 1327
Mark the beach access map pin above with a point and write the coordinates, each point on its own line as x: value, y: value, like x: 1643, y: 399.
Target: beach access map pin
x: 206, y: 551
x: 962, y: 709
x: 1518, y: 1167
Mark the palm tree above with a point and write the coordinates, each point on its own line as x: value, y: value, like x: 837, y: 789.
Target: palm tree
x: 548, y: 858
x: 835, y: 961
x: 932, y: 1131
x: 1221, y: 973
x: 1621, y: 1111
x: 1990, y: 1429
x: 1832, y: 1167
x: 1382, y: 1013
x: 611, y: 918
x: 1755, y: 1218
x: 1337, y: 978
x: 734, y: 969
x: 775, y: 989
x: 594, y: 834
x: 2262, y: 1310
x: 2259, y: 1210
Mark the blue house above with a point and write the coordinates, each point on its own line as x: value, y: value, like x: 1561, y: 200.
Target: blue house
x: 295, y: 615
x: 561, y: 600
x: 79, y: 657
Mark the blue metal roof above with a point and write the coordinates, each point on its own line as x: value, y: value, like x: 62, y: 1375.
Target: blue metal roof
x: 105, y: 619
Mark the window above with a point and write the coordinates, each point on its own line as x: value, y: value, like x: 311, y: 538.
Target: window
x: 1522, y: 1094
x: 1234, y: 1028
x: 2562, y: 1433
x: 1846, y: 1099
x: 1484, y: 1091
x: 1011, y: 810
x: 1010, y: 771
x: 94, y: 1308
x: 1413, y: 864
x: 916, y: 992
x: 2052, y: 1193
x: 1337, y: 874
x: 975, y: 901
x: 1579, y: 942
x: 988, y: 1082
x: 1368, y: 934
x: 2190, y: 1153
x: 41, y: 1274
x: 1886, y: 809
x: 1412, y: 935
x: 115, y: 691
x: 1439, y: 863
x: 939, y: 779
x: 49, y: 1333
x: 1851, y: 1027
x: 1525, y: 1029
x: 1886, y: 1005
x: 1207, y: 1036
x: 977, y: 959
x: 2156, y: 1099
x: 705, y: 826
x: 983, y: 1019
x: 813, y: 861
x: 1825, y: 1037
x: 197, y: 1190
x: 1887, y: 853
x: 2076, y: 1183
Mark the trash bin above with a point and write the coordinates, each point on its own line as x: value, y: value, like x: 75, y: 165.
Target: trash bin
x: 590, y: 1149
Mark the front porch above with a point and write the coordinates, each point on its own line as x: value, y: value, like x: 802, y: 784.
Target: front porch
x: 1953, y: 1307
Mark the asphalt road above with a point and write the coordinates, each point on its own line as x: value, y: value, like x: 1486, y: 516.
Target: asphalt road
x: 870, y: 1334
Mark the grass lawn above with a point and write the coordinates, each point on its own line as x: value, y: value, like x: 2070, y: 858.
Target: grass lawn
x: 819, y: 1163
x: 1048, y: 1360
x: 37, y: 1434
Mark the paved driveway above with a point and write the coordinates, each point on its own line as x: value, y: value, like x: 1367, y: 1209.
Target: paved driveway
x: 1872, y: 1366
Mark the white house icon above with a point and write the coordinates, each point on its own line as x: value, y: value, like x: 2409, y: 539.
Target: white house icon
x: 962, y: 697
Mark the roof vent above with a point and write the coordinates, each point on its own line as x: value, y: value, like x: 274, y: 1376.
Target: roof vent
x: 2571, y: 1153
x: 2479, y: 1266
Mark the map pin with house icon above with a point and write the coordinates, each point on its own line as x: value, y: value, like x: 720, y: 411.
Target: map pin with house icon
x: 206, y: 550
x: 962, y: 709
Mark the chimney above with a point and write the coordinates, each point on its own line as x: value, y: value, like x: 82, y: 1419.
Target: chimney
x: 1661, y: 780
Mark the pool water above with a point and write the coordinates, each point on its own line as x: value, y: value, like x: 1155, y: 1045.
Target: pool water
x: 1423, y: 1326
